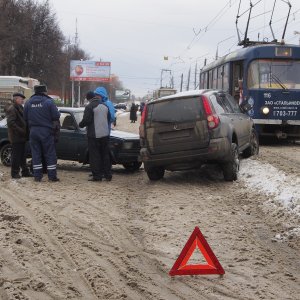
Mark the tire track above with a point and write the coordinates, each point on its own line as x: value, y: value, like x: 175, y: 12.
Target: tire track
x: 51, y: 242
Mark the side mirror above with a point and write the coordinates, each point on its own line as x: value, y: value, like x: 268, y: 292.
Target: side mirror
x: 245, y: 106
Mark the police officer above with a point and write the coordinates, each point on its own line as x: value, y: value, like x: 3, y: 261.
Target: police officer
x: 41, y: 113
x: 17, y: 134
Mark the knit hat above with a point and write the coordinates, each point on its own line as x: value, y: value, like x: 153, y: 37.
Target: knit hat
x: 90, y: 95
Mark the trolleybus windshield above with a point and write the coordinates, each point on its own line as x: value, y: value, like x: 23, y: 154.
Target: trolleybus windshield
x: 274, y: 74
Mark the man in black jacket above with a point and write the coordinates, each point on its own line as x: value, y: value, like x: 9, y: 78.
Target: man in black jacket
x: 17, y: 135
x: 97, y: 119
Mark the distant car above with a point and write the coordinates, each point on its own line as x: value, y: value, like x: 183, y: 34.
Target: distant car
x: 120, y: 106
x: 72, y: 144
x: 188, y: 129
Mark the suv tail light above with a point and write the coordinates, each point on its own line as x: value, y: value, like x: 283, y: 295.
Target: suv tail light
x: 143, y: 119
x: 212, y: 119
x: 144, y: 115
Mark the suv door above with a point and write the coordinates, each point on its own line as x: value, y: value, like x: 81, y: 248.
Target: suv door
x: 176, y: 124
x: 232, y: 117
x: 243, y: 121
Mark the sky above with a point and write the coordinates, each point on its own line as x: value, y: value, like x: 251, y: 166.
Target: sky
x: 136, y: 35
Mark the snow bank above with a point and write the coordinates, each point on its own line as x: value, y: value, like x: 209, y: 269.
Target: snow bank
x: 274, y: 183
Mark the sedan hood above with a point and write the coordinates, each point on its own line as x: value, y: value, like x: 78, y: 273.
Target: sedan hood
x: 124, y: 135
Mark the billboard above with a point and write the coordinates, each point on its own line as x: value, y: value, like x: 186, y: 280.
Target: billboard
x: 87, y: 70
x: 122, y: 95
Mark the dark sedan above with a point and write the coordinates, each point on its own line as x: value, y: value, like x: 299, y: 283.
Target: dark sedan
x: 72, y: 144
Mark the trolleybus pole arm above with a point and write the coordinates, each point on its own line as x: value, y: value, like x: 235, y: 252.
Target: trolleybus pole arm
x: 287, y: 19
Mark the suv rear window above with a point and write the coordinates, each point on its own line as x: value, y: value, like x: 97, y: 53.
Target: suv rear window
x: 177, y: 110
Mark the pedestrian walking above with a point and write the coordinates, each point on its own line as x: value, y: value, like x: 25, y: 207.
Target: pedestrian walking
x: 42, y: 117
x: 97, y: 119
x: 133, y: 111
x: 17, y: 135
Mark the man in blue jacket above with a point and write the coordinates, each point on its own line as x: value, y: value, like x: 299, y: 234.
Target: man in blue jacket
x: 101, y: 91
x: 96, y: 118
x: 41, y: 114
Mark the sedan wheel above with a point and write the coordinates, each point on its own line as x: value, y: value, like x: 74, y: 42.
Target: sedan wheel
x: 133, y: 166
x: 5, y: 155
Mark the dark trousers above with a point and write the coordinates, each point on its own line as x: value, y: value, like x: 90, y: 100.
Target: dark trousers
x: 99, y: 157
x: 42, y: 144
x: 18, y: 159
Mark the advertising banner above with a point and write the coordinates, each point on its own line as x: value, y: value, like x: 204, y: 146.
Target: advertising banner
x: 122, y: 95
x: 87, y: 70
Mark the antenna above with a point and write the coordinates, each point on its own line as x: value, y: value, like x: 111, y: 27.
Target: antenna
x: 287, y: 19
x: 236, y: 23
x: 270, y: 23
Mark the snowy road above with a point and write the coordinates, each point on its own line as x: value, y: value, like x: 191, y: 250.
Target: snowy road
x: 118, y: 240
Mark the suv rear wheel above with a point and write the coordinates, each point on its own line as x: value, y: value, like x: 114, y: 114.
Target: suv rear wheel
x: 155, y: 173
x: 253, y: 149
x: 231, y: 168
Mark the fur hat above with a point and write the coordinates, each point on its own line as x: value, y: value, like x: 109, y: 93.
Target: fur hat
x: 40, y: 89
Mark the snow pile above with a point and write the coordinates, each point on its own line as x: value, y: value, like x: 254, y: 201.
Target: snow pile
x: 274, y: 183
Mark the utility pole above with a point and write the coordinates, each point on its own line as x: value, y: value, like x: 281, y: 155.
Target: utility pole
x: 297, y: 32
x: 195, y: 82
x: 188, y: 82
x: 76, y: 35
x: 181, y: 82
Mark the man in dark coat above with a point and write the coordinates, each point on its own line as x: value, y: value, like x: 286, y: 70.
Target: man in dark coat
x: 96, y: 118
x: 17, y: 134
x: 41, y: 113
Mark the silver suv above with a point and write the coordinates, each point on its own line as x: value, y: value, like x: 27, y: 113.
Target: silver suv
x: 188, y: 129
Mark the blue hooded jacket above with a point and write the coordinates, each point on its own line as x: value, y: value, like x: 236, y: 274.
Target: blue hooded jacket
x: 102, y: 92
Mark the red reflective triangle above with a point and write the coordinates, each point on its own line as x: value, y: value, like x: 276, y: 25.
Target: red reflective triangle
x: 196, y: 240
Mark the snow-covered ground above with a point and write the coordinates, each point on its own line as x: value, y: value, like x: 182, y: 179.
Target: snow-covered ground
x: 282, y: 190
x: 273, y: 182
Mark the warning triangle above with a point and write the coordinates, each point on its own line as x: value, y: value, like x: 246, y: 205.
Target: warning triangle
x: 196, y: 242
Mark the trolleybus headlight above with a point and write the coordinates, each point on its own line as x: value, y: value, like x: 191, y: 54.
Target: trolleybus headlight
x: 265, y: 110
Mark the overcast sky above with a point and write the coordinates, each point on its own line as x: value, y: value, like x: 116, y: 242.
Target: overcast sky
x: 135, y: 35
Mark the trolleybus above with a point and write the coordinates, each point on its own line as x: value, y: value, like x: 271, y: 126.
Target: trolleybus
x: 267, y: 76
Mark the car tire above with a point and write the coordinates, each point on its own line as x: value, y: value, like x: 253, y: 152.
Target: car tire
x: 253, y: 149
x: 133, y: 166
x: 5, y: 155
x: 231, y: 168
x: 155, y: 173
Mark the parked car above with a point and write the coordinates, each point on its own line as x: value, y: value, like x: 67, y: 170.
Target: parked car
x: 72, y: 144
x: 120, y: 106
x: 186, y: 130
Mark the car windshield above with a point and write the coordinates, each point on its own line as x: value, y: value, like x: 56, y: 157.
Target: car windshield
x: 3, y: 122
x: 274, y: 74
x: 78, y: 116
x: 177, y: 110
